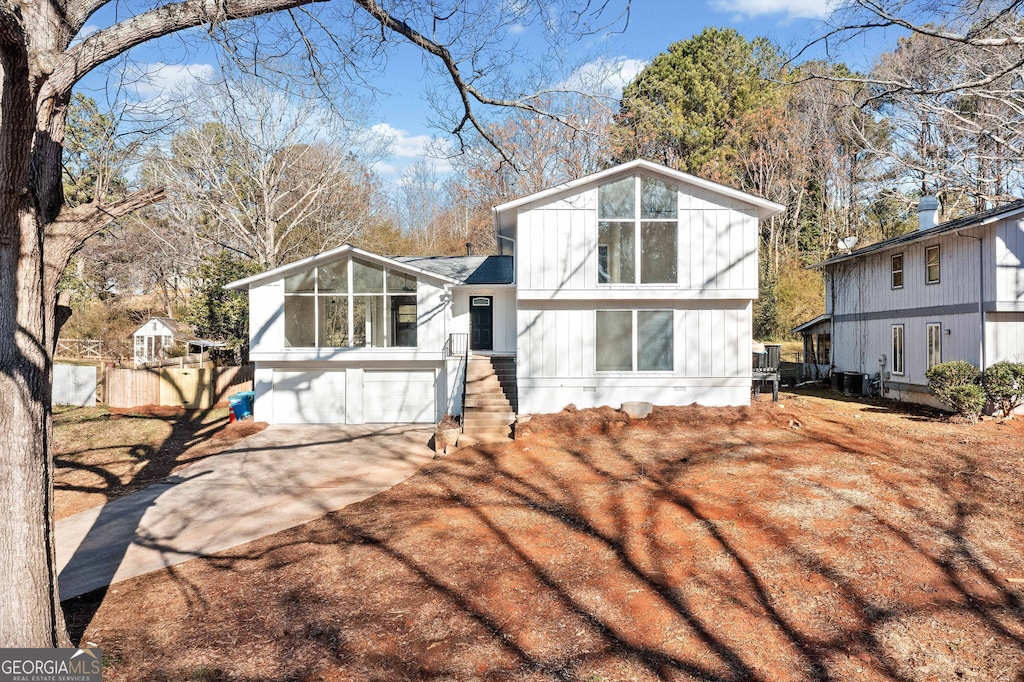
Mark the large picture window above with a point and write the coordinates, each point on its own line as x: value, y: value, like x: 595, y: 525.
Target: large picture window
x: 637, y: 232
x: 897, y: 349
x: 350, y: 303
x: 634, y: 340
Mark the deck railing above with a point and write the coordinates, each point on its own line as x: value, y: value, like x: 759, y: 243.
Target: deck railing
x: 765, y: 368
x: 456, y: 345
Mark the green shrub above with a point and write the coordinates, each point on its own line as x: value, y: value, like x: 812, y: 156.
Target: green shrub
x: 1004, y: 386
x: 957, y: 384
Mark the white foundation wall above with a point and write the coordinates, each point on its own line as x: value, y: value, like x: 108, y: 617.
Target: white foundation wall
x: 345, y: 383
x: 557, y: 363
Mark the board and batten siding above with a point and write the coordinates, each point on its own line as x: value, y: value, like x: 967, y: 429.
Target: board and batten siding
x: 556, y: 249
x: 336, y: 392
x: 864, y: 285
x: 504, y: 311
x: 266, y: 326
x: 1009, y: 263
x: 865, y: 306
x: 557, y: 363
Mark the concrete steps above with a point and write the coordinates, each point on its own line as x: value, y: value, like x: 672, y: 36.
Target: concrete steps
x: 490, y: 401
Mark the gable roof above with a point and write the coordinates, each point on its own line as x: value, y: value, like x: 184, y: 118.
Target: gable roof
x: 169, y: 322
x: 328, y: 256
x: 764, y: 207
x: 827, y: 317
x: 466, y: 269
x: 976, y: 220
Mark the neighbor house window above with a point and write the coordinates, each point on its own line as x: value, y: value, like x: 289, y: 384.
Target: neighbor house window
x: 931, y: 259
x: 897, y: 271
x: 897, y: 349
x: 934, y: 344
x: 638, y: 232
x: 350, y: 303
x: 634, y: 340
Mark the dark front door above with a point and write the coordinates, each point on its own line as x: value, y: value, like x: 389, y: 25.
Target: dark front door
x: 481, y: 323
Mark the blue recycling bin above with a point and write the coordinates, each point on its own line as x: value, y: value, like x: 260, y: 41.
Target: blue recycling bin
x: 241, y: 404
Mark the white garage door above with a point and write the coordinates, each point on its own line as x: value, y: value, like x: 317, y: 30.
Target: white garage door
x: 398, y: 396
x: 314, y: 397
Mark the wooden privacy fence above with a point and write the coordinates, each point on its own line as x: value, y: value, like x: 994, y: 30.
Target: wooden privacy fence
x: 191, y: 388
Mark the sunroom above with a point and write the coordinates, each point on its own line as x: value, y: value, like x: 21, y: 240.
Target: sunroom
x: 349, y: 337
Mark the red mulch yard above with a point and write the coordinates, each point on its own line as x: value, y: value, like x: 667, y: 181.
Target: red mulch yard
x: 812, y: 540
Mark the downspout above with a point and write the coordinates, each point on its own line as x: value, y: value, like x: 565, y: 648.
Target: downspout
x: 981, y: 293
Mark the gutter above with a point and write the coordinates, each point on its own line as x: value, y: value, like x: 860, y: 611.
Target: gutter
x: 981, y: 291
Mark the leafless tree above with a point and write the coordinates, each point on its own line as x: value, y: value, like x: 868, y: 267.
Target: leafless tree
x: 950, y: 92
x: 266, y: 173
x: 41, y: 61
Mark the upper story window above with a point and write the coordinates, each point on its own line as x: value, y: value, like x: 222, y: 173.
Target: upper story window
x: 931, y: 260
x: 897, y: 271
x: 349, y: 303
x: 638, y: 232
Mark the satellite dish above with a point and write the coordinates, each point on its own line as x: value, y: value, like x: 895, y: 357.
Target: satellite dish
x: 847, y: 243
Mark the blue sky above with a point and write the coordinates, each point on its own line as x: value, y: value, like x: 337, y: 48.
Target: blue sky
x: 403, y: 112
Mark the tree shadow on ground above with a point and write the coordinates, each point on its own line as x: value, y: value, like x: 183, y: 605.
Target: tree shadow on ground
x: 728, y: 548
x: 151, y: 464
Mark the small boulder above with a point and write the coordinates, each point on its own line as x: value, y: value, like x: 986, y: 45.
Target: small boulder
x: 636, y: 409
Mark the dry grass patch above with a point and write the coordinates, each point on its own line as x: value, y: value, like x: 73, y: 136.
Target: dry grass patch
x: 102, y: 454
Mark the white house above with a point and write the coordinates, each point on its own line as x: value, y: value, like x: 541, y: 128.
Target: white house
x: 155, y: 338
x: 952, y: 291
x: 635, y: 283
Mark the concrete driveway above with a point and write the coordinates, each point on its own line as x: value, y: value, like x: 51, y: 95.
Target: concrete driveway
x: 281, y: 477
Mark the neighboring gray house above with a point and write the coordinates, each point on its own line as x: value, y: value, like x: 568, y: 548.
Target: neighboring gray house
x: 953, y: 291
x: 635, y: 283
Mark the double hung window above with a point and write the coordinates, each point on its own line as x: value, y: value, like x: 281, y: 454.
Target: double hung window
x: 897, y: 349
x: 934, y: 344
x: 638, y: 232
x: 897, y: 271
x: 634, y: 340
x: 931, y: 257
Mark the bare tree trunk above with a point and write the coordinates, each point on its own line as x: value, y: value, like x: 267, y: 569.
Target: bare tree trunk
x: 32, y: 614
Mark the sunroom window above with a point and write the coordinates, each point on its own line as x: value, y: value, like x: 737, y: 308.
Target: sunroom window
x: 638, y: 232
x: 350, y: 303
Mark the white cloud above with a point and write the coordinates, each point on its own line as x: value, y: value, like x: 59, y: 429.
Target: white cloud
x: 604, y: 76
x: 793, y: 9
x: 149, y: 81
x: 405, y: 148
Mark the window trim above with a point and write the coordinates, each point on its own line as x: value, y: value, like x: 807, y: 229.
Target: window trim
x: 638, y: 222
x: 898, y: 358
x: 351, y: 298
x: 938, y: 264
x: 635, y: 335
x: 894, y: 271
x: 937, y: 327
